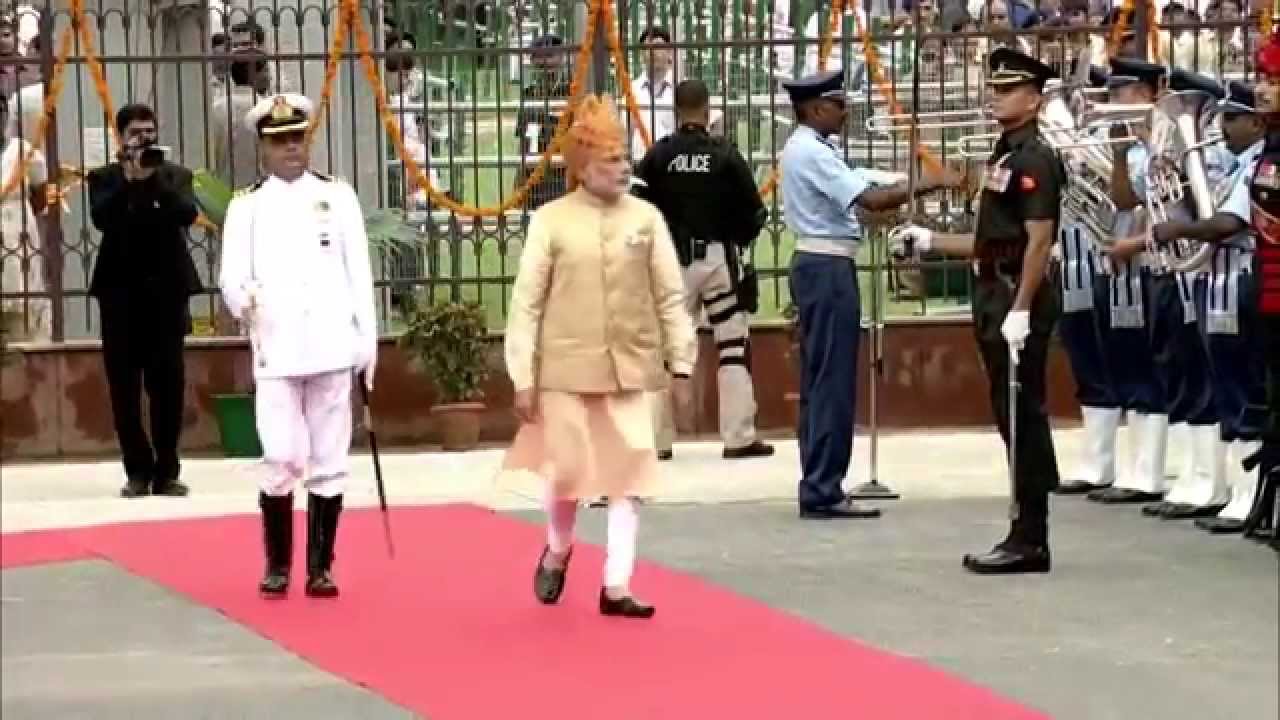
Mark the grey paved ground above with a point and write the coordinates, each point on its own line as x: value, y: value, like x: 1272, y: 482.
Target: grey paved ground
x: 1139, y: 620
x: 87, y: 640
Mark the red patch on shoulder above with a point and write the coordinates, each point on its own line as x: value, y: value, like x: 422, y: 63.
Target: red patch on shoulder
x: 1028, y: 183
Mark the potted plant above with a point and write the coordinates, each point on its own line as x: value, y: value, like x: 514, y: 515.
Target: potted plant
x: 387, y: 232
x: 449, y: 342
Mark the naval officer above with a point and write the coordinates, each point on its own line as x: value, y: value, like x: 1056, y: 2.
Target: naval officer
x: 296, y: 271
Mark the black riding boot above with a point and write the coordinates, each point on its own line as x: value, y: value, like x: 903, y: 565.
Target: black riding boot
x: 322, y: 529
x: 277, y: 538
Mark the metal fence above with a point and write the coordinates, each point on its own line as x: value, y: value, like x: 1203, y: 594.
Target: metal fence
x: 470, y: 83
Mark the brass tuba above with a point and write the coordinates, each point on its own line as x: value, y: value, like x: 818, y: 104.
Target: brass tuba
x: 1175, y: 165
x: 1087, y: 196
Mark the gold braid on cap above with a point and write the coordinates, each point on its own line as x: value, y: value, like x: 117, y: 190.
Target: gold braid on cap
x: 596, y: 133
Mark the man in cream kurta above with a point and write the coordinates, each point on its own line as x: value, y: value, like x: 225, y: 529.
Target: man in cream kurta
x: 295, y: 269
x: 597, y: 307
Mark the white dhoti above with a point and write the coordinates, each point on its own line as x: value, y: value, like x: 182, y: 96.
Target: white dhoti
x: 304, y: 424
x: 709, y: 286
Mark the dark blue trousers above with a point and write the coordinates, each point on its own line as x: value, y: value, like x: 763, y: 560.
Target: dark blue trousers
x: 825, y: 291
x: 1129, y: 355
x: 1238, y: 365
x: 1179, y: 355
x: 1085, y: 335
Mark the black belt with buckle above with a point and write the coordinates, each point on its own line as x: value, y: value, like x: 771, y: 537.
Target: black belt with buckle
x: 997, y: 269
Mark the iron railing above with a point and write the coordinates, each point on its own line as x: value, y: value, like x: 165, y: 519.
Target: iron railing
x: 468, y: 90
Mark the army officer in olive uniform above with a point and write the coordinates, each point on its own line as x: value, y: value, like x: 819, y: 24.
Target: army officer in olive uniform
x: 1015, y: 306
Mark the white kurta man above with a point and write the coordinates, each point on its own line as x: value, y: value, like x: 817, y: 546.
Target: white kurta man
x: 295, y: 271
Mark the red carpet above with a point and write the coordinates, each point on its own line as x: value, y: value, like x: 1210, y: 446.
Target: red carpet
x: 450, y: 628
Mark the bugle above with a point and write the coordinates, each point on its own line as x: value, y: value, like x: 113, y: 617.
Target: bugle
x: 942, y: 119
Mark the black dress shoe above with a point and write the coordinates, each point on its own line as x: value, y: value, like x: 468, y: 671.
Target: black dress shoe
x: 170, y: 488
x: 136, y: 487
x: 1122, y: 496
x: 275, y: 583
x: 1220, y: 526
x: 754, y: 450
x: 1183, y: 511
x: 624, y: 607
x: 548, y: 583
x: 1077, y: 487
x: 1009, y: 559
x: 1156, y: 509
x: 665, y: 454
x: 846, y: 508
x: 321, y: 585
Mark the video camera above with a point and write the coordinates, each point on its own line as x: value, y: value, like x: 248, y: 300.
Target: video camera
x: 148, y: 155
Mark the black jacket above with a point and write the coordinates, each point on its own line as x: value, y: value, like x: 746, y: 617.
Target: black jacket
x: 144, y: 252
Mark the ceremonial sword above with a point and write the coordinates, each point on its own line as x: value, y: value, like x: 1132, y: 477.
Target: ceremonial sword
x: 377, y: 463
x: 1014, y: 387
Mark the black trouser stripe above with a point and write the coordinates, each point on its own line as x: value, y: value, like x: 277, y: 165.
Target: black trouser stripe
x: 735, y: 360
x: 723, y: 316
x: 732, y: 342
x: 721, y: 297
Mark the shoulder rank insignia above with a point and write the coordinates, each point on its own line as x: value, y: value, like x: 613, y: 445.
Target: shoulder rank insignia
x: 249, y: 188
x: 322, y: 176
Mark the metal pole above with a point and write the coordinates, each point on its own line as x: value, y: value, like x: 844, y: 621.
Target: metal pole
x: 51, y: 242
x: 1141, y: 28
x: 872, y: 489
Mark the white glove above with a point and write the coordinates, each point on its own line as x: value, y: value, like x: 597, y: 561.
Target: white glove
x: 366, y: 362
x: 1016, y: 328
x: 910, y: 240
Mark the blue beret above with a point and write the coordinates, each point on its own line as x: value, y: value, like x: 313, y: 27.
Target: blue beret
x: 823, y: 84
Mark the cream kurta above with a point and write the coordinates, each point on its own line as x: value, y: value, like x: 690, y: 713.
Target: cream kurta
x: 597, y: 307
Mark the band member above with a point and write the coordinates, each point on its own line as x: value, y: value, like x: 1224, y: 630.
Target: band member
x: 1015, y: 305
x: 1179, y: 350
x: 821, y: 199
x: 597, y: 306
x: 1264, y: 518
x: 1230, y: 309
x: 709, y: 199
x: 1130, y: 357
x: 1085, y: 330
x: 295, y: 271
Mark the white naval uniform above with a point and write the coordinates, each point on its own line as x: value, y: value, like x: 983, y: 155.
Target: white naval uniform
x: 300, y: 248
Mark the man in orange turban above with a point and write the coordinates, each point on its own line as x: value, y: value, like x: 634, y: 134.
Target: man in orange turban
x: 596, y: 310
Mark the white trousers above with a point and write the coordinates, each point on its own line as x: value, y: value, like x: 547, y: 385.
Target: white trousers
x: 620, y: 546
x: 304, y: 424
x: 708, y: 286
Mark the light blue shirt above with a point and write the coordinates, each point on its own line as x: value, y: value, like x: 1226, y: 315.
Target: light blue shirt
x: 818, y: 188
x: 1235, y: 197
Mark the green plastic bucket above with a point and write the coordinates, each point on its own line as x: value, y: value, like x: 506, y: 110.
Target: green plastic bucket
x: 237, y: 426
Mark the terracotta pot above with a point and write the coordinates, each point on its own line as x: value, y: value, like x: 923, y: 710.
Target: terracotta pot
x: 459, y: 425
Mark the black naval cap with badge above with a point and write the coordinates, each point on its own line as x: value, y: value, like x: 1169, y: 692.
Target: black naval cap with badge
x: 287, y: 113
x: 1181, y: 80
x: 1009, y: 68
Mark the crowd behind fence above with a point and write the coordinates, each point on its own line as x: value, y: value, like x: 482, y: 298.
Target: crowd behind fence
x: 472, y: 84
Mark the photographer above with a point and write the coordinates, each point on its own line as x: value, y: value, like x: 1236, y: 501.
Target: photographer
x: 143, y: 279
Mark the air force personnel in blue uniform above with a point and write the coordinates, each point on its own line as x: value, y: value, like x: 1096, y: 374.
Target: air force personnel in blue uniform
x: 821, y: 198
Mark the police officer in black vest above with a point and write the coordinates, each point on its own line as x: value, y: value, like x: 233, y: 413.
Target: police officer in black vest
x: 709, y: 199
x: 1015, y: 303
